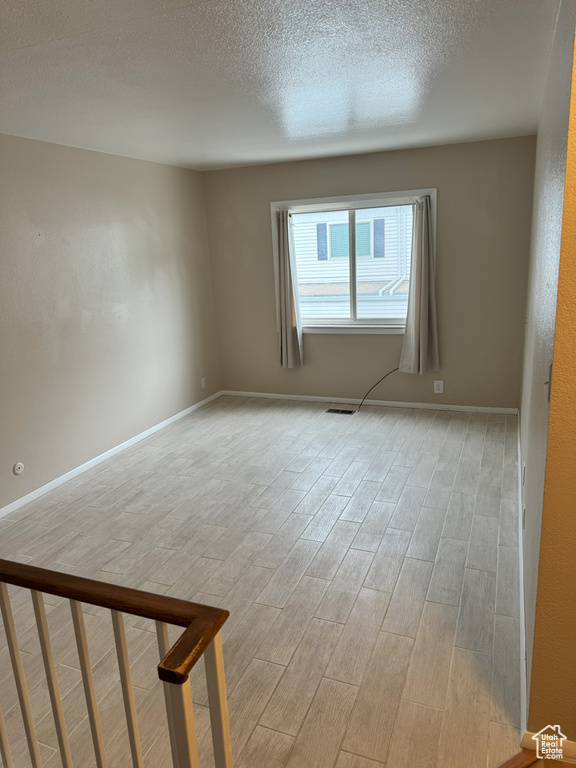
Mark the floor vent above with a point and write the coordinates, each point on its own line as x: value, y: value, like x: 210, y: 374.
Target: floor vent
x: 345, y: 411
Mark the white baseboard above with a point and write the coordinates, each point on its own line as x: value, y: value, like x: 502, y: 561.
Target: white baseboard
x: 357, y: 401
x: 523, y: 659
x: 98, y: 459
x: 568, y: 747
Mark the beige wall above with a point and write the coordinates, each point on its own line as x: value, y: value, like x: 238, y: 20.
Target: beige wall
x: 106, y: 311
x: 553, y: 679
x: 543, y: 283
x: 484, y: 211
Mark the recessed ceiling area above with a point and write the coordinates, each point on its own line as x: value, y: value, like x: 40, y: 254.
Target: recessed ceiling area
x: 236, y: 82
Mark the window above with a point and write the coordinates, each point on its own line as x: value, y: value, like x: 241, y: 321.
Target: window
x: 357, y: 283
x: 327, y: 265
x: 338, y: 241
x: 369, y: 239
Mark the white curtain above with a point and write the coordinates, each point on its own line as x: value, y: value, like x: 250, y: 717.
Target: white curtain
x: 420, y: 348
x: 290, y: 328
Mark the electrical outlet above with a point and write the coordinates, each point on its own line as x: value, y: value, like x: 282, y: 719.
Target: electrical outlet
x: 203, y: 382
x: 438, y: 386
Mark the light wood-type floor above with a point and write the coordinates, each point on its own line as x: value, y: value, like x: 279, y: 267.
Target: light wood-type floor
x: 369, y: 563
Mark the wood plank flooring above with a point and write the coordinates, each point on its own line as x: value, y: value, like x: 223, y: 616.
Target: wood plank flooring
x: 369, y: 562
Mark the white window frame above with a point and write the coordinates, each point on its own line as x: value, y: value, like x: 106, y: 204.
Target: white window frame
x: 352, y: 203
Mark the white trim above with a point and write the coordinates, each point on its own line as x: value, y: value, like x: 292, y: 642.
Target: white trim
x: 356, y: 328
x: 344, y: 202
x: 352, y: 265
x: 387, y: 403
x: 523, y: 660
x: 98, y: 459
x: 568, y: 747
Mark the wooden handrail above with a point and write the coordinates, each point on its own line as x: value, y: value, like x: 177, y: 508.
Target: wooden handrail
x: 202, y: 622
x: 522, y: 759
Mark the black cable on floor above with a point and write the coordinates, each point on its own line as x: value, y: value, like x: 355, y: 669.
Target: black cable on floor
x: 375, y: 385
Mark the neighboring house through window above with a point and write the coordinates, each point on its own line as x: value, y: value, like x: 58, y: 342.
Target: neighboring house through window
x: 351, y: 260
x: 333, y: 239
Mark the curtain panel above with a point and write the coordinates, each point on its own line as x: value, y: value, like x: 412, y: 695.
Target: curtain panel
x: 420, y: 347
x: 290, y: 327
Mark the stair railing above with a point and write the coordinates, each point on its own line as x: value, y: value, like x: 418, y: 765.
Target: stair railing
x: 201, y: 637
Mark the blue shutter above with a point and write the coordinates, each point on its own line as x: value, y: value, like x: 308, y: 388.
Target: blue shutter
x: 363, y: 238
x: 338, y: 240
x: 378, y: 238
x: 321, y: 242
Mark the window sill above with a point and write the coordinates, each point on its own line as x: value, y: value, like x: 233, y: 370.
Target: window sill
x: 345, y: 329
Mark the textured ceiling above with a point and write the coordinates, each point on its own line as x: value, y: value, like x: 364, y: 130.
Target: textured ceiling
x: 234, y: 82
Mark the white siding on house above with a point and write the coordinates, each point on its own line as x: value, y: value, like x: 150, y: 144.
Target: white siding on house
x: 382, y: 282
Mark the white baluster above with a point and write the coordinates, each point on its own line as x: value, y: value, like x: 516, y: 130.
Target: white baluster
x: 127, y: 690
x: 18, y: 670
x: 51, y: 678
x: 179, y: 711
x: 215, y: 680
x: 163, y: 648
x: 88, y: 680
x: 184, y: 728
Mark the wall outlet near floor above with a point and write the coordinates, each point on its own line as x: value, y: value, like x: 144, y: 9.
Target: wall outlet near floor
x: 203, y: 382
x: 438, y: 386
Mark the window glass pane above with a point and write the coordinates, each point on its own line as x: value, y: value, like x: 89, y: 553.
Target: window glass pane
x: 362, y: 239
x: 382, y: 281
x: 323, y: 284
x: 339, y: 243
